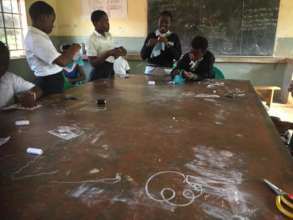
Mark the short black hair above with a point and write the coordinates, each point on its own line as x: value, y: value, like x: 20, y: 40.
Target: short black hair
x: 65, y: 47
x: 200, y: 42
x: 97, y: 15
x: 4, y: 57
x: 166, y: 14
x: 40, y: 8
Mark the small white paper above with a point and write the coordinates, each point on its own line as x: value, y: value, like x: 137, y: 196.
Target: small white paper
x: 33, y: 150
x: 66, y: 132
x: 149, y: 70
x: 22, y: 122
x: 151, y: 83
x: 4, y: 140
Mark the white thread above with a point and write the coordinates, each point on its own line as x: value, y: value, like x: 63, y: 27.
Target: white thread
x: 187, y: 193
x: 34, y: 175
x: 114, y: 180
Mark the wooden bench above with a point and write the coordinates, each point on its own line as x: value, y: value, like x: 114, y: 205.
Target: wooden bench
x: 266, y: 93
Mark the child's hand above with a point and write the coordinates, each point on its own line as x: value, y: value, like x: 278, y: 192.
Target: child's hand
x: 152, y: 42
x: 27, y: 99
x: 189, y: 75
x: 117, y: 52
x: 163, y: 40
x: 192, y: 57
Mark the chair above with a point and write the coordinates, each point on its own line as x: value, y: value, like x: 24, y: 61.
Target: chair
x: 218, y: 73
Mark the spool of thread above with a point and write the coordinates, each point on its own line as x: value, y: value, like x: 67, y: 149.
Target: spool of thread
x: 101, y: 103
x: 36, y: 151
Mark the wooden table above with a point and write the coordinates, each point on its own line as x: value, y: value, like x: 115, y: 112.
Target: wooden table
x: 149, y: 143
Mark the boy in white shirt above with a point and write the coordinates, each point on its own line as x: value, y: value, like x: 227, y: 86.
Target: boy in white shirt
x: 100, y: 48
x: 14, y: 87
x: 43, y: 58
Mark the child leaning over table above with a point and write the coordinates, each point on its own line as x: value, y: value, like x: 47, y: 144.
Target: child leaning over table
x: 12, y: 87
x: 198, y: 63
x: 73, y: 71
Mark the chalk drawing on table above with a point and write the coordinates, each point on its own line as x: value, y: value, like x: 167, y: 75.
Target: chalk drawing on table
x: 113, y: 180
x: 97, y: 137
x: 190, y: 192
x: 92, y: 194
x: 217, y: 172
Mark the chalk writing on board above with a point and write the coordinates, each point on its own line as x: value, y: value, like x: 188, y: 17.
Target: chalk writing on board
x: 232, y: 27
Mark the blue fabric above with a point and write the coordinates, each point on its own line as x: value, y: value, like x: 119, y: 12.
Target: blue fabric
x: 179, y: 80
x: 72, y: 75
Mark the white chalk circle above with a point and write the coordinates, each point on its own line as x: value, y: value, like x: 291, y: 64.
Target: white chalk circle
x: 167, y: 194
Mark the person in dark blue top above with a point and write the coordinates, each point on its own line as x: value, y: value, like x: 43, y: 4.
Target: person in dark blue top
x: 197, y: 64
x: 162, y: 47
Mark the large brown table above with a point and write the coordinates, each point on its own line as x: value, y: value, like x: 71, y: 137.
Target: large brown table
x: 197, y: 151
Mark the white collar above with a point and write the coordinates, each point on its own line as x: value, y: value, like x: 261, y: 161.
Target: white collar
x: 107, y: 34
x: 158, y: 33
x: 38, y: 31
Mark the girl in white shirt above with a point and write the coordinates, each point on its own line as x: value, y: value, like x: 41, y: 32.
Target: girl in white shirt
x: 14, y: 88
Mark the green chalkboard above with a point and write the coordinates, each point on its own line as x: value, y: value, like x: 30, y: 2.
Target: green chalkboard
x: 233, y: 27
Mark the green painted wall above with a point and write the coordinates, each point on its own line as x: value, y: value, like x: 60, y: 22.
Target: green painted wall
x: 284, y: 47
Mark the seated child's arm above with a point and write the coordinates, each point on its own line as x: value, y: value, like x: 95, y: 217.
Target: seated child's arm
x: 81, y: 73
x: 148, y: 46
x: 26, y: 92
x: 174, y: 50
x: 29, y: 98
x: 206, y: 72
x: 67, y: 57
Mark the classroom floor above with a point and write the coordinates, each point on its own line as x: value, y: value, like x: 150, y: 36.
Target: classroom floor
x: 282, y: 111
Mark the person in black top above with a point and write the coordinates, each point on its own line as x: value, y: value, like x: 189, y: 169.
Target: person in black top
x: 162, y: 47
x: 197, y: 64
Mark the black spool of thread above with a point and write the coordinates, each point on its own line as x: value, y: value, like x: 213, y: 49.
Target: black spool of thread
x: 101, y: 103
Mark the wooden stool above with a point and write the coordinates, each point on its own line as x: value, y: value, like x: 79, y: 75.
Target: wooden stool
x: 266, y: 93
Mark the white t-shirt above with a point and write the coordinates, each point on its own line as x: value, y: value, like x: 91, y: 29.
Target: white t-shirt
x: 98, y: 44
x: 40, y: 53
x: 10, y: 85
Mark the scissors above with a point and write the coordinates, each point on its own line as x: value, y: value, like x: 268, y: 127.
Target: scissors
x: 284, y: 201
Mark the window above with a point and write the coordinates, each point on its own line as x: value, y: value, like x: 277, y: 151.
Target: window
x: 13, y: 25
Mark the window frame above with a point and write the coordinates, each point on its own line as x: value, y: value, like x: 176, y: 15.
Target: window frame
x: 21, y: 16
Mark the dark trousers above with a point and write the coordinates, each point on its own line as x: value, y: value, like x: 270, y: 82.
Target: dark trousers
x: 51, y: 84
x: 103, y: 71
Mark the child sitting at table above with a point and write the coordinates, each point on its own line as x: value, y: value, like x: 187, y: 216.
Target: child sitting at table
x: 161, y: 48
x: 73, y: 71
x: 12, y: 87
x: 197, y: 64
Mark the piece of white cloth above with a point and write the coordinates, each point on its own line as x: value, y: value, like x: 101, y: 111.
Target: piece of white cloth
x: 98, y: 44
x: 41, y: 53
x: 159, y: 46
x: 121, y: 66
x: 10, y: 85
